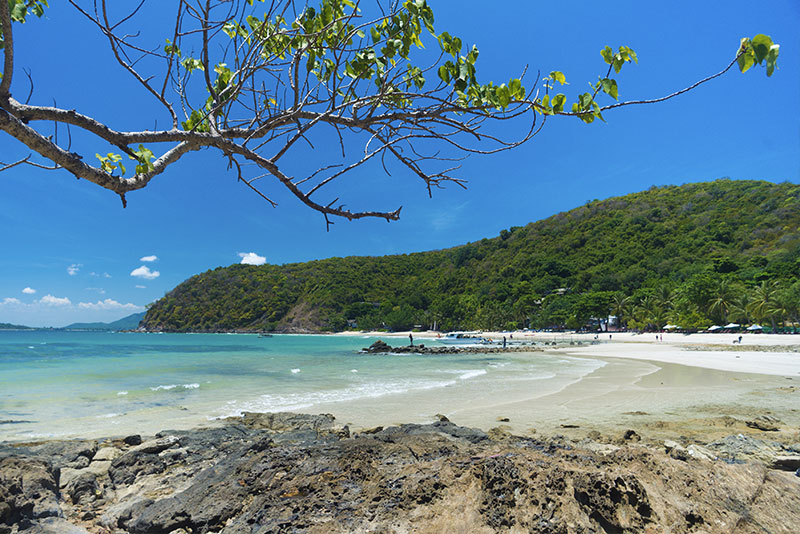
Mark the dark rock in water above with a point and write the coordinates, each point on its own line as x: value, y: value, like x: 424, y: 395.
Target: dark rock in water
x: 378, y: 347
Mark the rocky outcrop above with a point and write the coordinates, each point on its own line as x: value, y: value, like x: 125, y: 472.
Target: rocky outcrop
x: 381, y: 347
x: 275, y: 473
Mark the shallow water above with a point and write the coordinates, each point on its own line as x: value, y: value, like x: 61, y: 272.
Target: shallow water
x: 90, y: 384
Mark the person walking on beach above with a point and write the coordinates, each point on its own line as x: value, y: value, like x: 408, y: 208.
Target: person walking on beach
x: 504, y: 341
x: 411, y: 338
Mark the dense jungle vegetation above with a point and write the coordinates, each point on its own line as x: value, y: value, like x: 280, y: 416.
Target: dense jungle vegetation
x: 691, y: 255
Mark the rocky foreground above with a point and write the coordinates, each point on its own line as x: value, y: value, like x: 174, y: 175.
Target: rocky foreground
x: 286, y: 473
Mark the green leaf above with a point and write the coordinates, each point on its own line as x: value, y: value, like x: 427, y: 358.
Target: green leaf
x: 558, y: 76
x: 746, y: 60
x: 503, y: 96
x: 444, y: 73
x: 192, y: 64
x: 609, y: 87
x: 558, y: 103
x: 143, y: 156
x: 761, y: 44
x: 608, y: 55
x: 772, y: 58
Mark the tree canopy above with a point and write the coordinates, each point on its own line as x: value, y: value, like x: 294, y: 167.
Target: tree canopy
x: 692, y: 255
x: 254, y: 80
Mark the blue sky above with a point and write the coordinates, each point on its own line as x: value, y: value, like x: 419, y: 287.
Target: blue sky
x: 69, y: 251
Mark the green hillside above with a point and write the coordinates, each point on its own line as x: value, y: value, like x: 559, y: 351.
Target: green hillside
x: 695, y: 254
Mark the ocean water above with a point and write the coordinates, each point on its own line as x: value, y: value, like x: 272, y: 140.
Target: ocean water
x: 88, y: 384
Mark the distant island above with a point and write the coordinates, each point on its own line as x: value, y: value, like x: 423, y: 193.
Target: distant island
x: 694, y: 256
x: 8, y: 326
x: 131, y: 322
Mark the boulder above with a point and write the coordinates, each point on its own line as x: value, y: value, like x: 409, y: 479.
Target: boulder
x: 287, y: 421
x: 28, y: 490
x: 82, y: 488
x: 107, y: 453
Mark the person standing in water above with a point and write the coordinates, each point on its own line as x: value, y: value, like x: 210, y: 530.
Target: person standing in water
x: 411, y: 338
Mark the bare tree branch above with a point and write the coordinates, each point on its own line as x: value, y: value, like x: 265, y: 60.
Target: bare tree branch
x: 275, y: 78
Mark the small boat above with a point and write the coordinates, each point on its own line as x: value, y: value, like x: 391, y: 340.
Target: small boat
x: 264, y: 335
x: 462, y: 338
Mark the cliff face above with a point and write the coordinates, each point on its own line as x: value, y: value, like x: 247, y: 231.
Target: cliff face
x: 270, y: 473
x: 744, y: 231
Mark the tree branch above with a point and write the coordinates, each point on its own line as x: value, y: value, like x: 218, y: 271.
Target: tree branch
x: 8, y: 51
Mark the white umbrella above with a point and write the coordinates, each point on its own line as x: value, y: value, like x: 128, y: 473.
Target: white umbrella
x: 671, y: 326
x: 731, y: 325
x: 755, y: 327
x: 715, y: 328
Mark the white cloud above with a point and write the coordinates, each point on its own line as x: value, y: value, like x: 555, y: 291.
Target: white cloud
x: 140, y: 287
x: 50, y: 300
x: 74, y: 268
x: 109, y: 304
x: 10, y: 301
x: 145, y: 272
x: 29, y: 291
x: 106, y: 275
x: 251, y: 258
x: 149, y: 258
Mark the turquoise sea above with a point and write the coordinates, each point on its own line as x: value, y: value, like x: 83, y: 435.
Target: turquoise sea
x: 68, y: 384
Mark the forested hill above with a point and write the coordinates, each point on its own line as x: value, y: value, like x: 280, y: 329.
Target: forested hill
x: 677, y: 253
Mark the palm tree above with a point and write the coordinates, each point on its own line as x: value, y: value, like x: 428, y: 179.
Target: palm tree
x: 763, y: 304
x: 740, y: 308
x: 620, y: 306
x: 651, y: 312
x: 720, y: 305
x: 784, y: 307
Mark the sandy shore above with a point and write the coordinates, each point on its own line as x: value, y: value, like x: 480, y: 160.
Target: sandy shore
x: 698, y: 384
x: 777, y: 354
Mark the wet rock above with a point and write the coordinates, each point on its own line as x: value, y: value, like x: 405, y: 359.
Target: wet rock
x: 378, y: 347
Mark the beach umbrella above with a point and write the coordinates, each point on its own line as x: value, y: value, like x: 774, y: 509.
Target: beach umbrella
x: 715, y: 328
x: 755, y: 327
x: 732, y: 325
x: 671, y: 327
